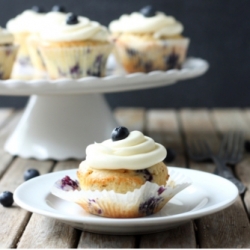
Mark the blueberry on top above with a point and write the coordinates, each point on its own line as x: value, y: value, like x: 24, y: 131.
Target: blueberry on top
x: 58, y: 8
x: 148, y: 11
x: 38, y: 9
x: 30, y: 173
x: 6, y: 199
x: 72, y: 19
x: 119, y: 133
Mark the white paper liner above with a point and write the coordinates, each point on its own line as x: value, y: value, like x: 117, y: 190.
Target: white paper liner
x: 147, y: 200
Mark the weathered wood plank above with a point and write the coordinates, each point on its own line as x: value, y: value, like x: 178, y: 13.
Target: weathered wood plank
x: 8, y: 121
x: 228, y: 228
x: 162, y: 125
x: 17, y: 218
x: 231, y: 120
x: 243, y: 168
x: 90, y: 240
x: 171, y: 239
x: 132, y: 118
x: 44, y: 232
x: 197, y: 125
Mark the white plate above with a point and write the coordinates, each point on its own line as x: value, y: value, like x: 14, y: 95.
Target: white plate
x: 207, y: 194
x: 115, y: 81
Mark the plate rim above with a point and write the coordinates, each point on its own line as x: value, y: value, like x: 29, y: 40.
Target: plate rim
x: 187, y: 216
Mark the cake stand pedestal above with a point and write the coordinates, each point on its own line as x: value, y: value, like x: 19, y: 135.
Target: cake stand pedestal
x: 64, y: 116
x: 60, y: 127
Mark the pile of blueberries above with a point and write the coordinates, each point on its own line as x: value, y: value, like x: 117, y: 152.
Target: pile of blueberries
x: 6, y: 197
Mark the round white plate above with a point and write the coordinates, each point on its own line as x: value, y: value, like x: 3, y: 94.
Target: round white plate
x: 207, y: 194
x: 115, y: 81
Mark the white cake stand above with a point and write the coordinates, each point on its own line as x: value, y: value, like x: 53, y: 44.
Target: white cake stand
x: 63, y: 116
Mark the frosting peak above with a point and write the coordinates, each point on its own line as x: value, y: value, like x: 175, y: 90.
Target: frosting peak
x: 134, y: 152
x: 160, y: 24
x: 83, y: 30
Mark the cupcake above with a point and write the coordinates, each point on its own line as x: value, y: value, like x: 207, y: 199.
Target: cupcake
x: 57, y: 14
x: 148, y: 40
x: 122, y: 177
x: 8, y: 51
x: 21, y: 27
x: 75, y: 48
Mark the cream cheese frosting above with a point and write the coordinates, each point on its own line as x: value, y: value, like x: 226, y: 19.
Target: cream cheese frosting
x: 134, y: 152
x: 5, y: 36
x: 27, y: 21
x: 83, y: 30
x: 160, y: 25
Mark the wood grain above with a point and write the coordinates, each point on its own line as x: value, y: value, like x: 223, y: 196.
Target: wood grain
x: 44, y: 232
x: 228, y: 228
x: 90, y: 240
x: 12, y: 228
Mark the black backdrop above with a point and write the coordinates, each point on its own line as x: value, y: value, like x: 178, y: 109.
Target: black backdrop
x: 219, y: 32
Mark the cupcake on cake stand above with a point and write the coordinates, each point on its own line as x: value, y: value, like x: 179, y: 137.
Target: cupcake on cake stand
x: 63, y: 116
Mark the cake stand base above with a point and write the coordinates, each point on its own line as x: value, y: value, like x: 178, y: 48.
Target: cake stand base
x: 61, y: 127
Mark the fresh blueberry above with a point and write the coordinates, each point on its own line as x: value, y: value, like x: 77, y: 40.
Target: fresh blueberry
x: 148, y: 11
x: 72, y: 19
x: 30, y: 173
x: 247, y: 145
x: 119, y: 133
x: 6, y: 199
x: 58, y: 8
x: 170, y: 155
x: 38, y: 9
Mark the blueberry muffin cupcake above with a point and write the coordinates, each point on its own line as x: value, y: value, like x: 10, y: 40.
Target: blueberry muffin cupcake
x: 8, y: 51
x: 148, y: 40
x: 56, y: 15
x: 21, y: 27
x: 75, y: 48
x: 123, y: 177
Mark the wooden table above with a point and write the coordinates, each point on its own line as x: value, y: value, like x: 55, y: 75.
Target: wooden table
x: 228, y: 228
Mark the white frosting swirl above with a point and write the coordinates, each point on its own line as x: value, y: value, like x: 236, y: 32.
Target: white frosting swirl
x: 5, y: 37
x: 27, y: 21
x: 134, y: 152
x: 160, y: 25
x: 83, y: 30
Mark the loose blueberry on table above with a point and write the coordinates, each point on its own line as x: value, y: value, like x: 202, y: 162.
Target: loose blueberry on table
x: 72, y: 19
x: 58, y: 8
x: 170, y: 155
x: 30, y: 173
x: 148, y: 11
x: 119, y: 133
x: 6, y: 199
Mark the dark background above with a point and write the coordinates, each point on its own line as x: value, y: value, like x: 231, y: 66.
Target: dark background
x: 219, y: 31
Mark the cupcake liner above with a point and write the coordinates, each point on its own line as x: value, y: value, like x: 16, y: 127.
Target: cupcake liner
x: 22, y: 58
x: 76, y: 62
x: 7, y: 58
x: 34, y: 53
x: 149, y: 55
x: 147, y: 200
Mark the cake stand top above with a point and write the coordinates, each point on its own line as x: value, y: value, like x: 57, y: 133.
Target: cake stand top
x: 115, y: 81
